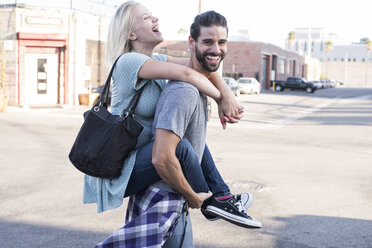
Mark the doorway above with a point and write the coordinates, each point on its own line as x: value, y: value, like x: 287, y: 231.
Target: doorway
x: 41, y: 79
x: 265, y: 63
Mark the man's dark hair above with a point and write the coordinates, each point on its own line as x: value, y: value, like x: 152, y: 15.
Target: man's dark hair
x: 206, y: 19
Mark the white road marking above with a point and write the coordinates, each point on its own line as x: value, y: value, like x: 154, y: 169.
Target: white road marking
x: 277, y: 124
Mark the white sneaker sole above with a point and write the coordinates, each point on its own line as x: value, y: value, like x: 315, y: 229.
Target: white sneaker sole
x: 244, y: 222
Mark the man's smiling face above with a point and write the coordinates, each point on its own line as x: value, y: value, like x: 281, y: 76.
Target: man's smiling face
x: 211, y: 47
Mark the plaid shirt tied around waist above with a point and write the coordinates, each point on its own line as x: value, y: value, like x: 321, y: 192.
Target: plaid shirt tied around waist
x: 150, y: 220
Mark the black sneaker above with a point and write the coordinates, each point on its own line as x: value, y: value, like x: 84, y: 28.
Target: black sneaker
x: 231, y: 210
x: 245, y: 198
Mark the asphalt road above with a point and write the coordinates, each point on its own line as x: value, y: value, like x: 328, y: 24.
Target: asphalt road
x: 307, y: 158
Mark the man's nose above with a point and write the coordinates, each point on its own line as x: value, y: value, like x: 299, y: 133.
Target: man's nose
x: 155, y: 19
x: 215, y: 48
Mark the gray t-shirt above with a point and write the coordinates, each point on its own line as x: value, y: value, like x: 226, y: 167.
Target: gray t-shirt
x: 183, y: 110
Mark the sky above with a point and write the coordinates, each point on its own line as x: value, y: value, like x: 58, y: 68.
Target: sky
x: 269, y: 21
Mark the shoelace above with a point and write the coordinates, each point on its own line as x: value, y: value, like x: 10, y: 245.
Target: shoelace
x: 239, y: 206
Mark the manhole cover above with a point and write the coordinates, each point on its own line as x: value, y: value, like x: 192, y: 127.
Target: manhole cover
x: 246, y: 185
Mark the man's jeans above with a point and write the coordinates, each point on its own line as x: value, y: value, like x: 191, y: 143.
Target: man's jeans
x: 202, y: 178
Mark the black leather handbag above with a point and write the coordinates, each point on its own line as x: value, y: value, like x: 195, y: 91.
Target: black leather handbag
x: 105, y: 140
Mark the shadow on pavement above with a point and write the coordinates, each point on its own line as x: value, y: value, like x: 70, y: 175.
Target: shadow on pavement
x: 22, y: 235
x: 305, y: 231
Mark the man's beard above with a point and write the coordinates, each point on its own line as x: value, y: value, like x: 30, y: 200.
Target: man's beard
x: 203, y: 61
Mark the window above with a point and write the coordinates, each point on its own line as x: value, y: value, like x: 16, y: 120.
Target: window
x: 41, y: 76
x: 281, y: 63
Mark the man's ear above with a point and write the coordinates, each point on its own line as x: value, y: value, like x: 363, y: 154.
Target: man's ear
x: 191, y: 43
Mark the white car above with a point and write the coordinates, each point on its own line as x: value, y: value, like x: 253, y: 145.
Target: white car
x: 249, y: 85
x: 231, y: 82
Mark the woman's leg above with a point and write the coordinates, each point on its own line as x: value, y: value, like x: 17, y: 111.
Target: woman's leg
x: 191, y: 167
x: 144, y: 173
x: 214, y: 180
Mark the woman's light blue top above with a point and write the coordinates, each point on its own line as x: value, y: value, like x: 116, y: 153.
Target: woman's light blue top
x: 109, y: 194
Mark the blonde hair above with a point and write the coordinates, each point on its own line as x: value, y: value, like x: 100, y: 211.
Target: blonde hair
x: 120, y: 28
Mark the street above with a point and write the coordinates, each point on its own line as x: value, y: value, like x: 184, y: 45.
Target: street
x: 307, y: 159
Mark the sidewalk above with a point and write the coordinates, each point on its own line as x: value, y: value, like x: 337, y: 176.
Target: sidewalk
x: 46, y: 109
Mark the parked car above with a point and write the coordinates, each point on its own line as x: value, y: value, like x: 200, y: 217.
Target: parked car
x: 295, y: 83
x: 249, y: 85
x: 318, y: 84
x: 231, y: 82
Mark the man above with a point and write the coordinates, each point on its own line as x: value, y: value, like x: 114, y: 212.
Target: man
x: 182, y: 114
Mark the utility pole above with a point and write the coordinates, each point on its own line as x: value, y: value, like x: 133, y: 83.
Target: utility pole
x: 309, y: 47
x: 200, y: 4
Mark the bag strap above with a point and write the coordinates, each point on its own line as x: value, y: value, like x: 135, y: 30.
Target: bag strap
x: 102, y: 101
x: 129, y: 110
x: 186, y: 210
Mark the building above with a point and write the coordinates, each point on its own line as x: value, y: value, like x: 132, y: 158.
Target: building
x: 263, y: 61
x: 340, y: 60
x: 53, y: 49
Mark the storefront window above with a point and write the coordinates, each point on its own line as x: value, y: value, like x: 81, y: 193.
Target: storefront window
x: 41, y: 76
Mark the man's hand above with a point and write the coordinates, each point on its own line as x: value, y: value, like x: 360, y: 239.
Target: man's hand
x: 197, y: 201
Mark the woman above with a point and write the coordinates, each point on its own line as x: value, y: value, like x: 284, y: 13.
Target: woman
x: 133, y: 35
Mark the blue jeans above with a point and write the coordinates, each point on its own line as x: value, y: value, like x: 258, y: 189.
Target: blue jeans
x: 202, y: 178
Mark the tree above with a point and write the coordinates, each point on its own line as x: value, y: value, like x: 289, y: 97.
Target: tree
x: 3, y: 97
x: 368, y: 45
x: 291, y: 39
x: 368, y: 48
x: 2, y: 70
x: 328, y: 48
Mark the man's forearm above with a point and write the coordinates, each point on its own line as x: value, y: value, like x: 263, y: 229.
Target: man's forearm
x: 170, y: 171
x: 167, y: 165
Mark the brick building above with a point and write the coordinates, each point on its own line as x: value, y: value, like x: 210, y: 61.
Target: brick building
x: 265, y: 62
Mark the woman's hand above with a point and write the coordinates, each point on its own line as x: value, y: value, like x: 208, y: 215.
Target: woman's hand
x: 198, y: 199
x: 233, y: 119
x: 229, y: 110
